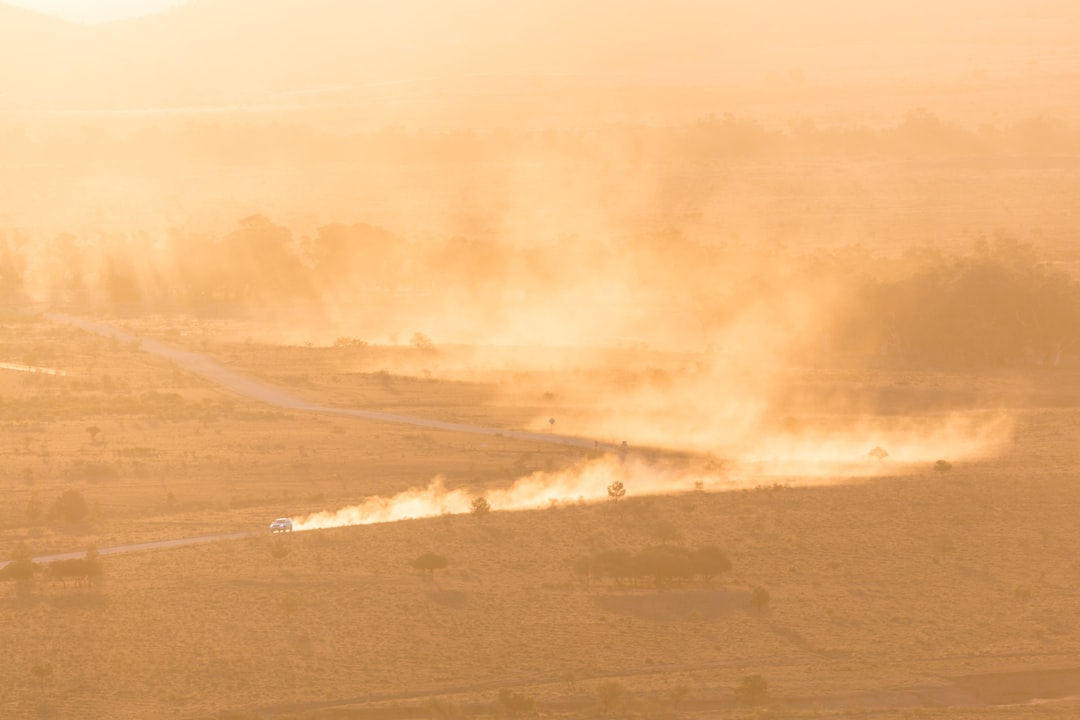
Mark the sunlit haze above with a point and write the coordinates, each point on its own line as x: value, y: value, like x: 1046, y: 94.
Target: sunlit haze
x: 95, y: 11
x: 687, y: 360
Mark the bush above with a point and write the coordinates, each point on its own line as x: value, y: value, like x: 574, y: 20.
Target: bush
x: 444, y: 709
x: 611, y: 694
x: 942, y: 466
x: 69, y: 508
x: 514, y: 704
x: 759, y: 598
x: 752, y: 691
x: 429, y: 563
x: 710, y: 561
x: 663, y: 564
x: 479, y: 507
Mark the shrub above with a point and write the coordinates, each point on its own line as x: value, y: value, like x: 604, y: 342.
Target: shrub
x: 752, y: 691
x: 664, y: 564
x: 429, y: 563
x: 759, y: 598
x: 479, y: 507
x: 611, y: 694
x: 278, y: 549
x: 710, y: 561
x: 69, y: 508
x: 514, y: 704
x: 444, y: 709
x: 942, y: 466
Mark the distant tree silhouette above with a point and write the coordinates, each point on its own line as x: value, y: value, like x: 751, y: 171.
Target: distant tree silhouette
x: 479, y: 507
x: 759, y: 598
x: 616, y: 491
x: 69, y: 508
x: 753, y: 690
x: 21, y: 569
x: 429, y: 563
x: 709, y: 561
x: 612, y: 696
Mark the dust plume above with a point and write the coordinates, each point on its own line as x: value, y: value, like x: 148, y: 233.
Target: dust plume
x: 586, y: 483
x: 803, y: 461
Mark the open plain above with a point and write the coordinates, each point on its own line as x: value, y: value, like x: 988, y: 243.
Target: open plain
x: 899, y: 593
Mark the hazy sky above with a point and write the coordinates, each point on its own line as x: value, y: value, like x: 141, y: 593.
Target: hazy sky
x: 93, y: 11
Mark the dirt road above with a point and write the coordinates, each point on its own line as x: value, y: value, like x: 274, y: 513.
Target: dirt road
x: 241, y: 384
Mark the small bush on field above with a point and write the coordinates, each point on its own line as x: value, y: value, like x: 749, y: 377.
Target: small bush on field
x: 663, y: 564
x: 444, y: 709
x: 429, y: 563
x: 69, y: 508
x: 612, y: 696
x: 514, y: 704
x: 759, y: 598
x: 753, y: 690
x: 479, y: 507
x: 942, y: 466
x: 278, y: 549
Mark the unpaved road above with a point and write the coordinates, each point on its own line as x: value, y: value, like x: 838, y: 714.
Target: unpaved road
x: 157, y: 545
x: 241, y: 384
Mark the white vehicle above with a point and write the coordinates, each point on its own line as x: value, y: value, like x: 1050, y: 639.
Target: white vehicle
x: 281, y: 525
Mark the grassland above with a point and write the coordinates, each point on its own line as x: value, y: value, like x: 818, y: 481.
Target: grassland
x: 925, y: 594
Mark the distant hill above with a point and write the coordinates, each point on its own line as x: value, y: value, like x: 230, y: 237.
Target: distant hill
x: 237, y: 52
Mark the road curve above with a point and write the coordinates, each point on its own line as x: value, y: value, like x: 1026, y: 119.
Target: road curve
x: 251, y: 388
x: 241, y: 384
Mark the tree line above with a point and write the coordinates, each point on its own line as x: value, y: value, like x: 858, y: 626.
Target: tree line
x: 726, y: 137
x: 999, y: 304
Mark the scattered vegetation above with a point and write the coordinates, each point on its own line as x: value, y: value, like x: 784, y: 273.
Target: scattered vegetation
x: 429, y: 563
x: 611, y: 695
x: 753, y: 690
x: 69, y: 508
x: 514, y: 704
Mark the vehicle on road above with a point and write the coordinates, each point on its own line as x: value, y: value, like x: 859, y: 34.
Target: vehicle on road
x: 281, y: 525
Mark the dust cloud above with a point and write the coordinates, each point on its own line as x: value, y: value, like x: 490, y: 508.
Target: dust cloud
x: 750, y: 223
x: 795, y: 461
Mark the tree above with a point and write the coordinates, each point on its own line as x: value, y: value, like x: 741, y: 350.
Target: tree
x: 479, y: 507
x: 93, y: 431
x: 429, y: 563
x: 753, y: 690
x: 69, y: 508
x: 21, y: 569
x: 709, y: 561
x: 616, y: 491
x: 422, y: 342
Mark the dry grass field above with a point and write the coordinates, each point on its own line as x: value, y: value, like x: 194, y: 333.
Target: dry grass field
x: 917, y: 593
